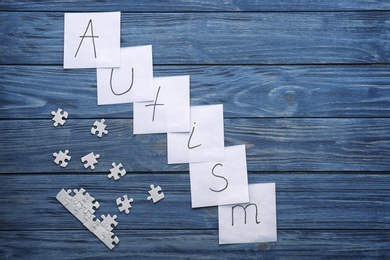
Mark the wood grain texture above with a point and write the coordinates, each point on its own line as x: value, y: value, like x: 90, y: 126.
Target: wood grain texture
x: 215, y: 38
x: 304, y: 201
x: 194, y: 5
x: 196, y: 244
x: 272, y: 145
x: 245, y: 91
x: 305, y: 86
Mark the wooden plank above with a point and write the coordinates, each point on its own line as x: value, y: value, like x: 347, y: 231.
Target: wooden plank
x: 197, y: 5
x: 215, y: 38
x: 304, y: 201
x: 196, y: 244
x: 245, y: 91
x: 272, y: 145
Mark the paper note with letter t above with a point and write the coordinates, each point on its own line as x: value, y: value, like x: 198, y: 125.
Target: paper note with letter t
x: 169, y: 111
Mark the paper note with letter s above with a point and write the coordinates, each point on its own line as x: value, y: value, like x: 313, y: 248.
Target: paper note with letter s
x: 220, y: 182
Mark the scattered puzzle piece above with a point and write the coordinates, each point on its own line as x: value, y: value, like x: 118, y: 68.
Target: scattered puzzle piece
x: 99, y: 127
x: 59, y: 117
x: 155, y: 194
x: 90, y: 160
x: 124, y: 204
x: 116, y: 172
x: 62, y: 158
x: 83, y: 206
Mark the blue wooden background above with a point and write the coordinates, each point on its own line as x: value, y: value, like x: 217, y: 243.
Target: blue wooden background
x: 305, y: 86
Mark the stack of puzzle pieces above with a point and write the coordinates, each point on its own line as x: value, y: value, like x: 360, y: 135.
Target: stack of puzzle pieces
x: 83, y: 207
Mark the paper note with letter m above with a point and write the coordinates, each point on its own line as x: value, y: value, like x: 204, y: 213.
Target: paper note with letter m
x: 204, y: 143
x: 220, y: 182
x: 253, y: 222
x: 92, y: 40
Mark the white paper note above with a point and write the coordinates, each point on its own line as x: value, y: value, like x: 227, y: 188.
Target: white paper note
x: 170, y: 109
x: 252, y: 222
x: 204, y: 142
x: 221, y: 182
x: 131, y: 82
x: 92, y: 40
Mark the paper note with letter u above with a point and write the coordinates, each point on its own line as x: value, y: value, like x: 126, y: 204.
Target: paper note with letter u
x: 131, y: 82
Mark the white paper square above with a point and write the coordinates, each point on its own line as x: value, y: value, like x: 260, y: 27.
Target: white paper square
x: 204, y: 142
x: 170, y: 109
x: 131, y: 82
x: 92, y: 40
x: 220, y: 183
x: 241, y: 223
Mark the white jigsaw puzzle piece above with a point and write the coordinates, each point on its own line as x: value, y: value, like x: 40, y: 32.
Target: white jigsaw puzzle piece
x: 91, y: 223
x: 99, y: 231
x: 81, y: 195
x: 74, y: 206
x: 90, y: 160
x: 91, y: 205
x: 59, y: 117
x: 109, y: 222
x: 155, y: 194
x: 99, y: 127
x: 78, y: 211
x: 63, y: 197
x: 109, y: 239
x: 62, y: 158
x: 124, y: 204
x: 116, y: 172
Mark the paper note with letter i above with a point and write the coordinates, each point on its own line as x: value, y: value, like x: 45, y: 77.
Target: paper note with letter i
x: 205, y: 140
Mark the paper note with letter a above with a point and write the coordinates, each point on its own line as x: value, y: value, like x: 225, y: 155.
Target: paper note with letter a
x: 92, y: 40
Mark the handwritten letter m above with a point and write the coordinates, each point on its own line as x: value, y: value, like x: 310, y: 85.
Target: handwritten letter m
x: 244, y: 208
